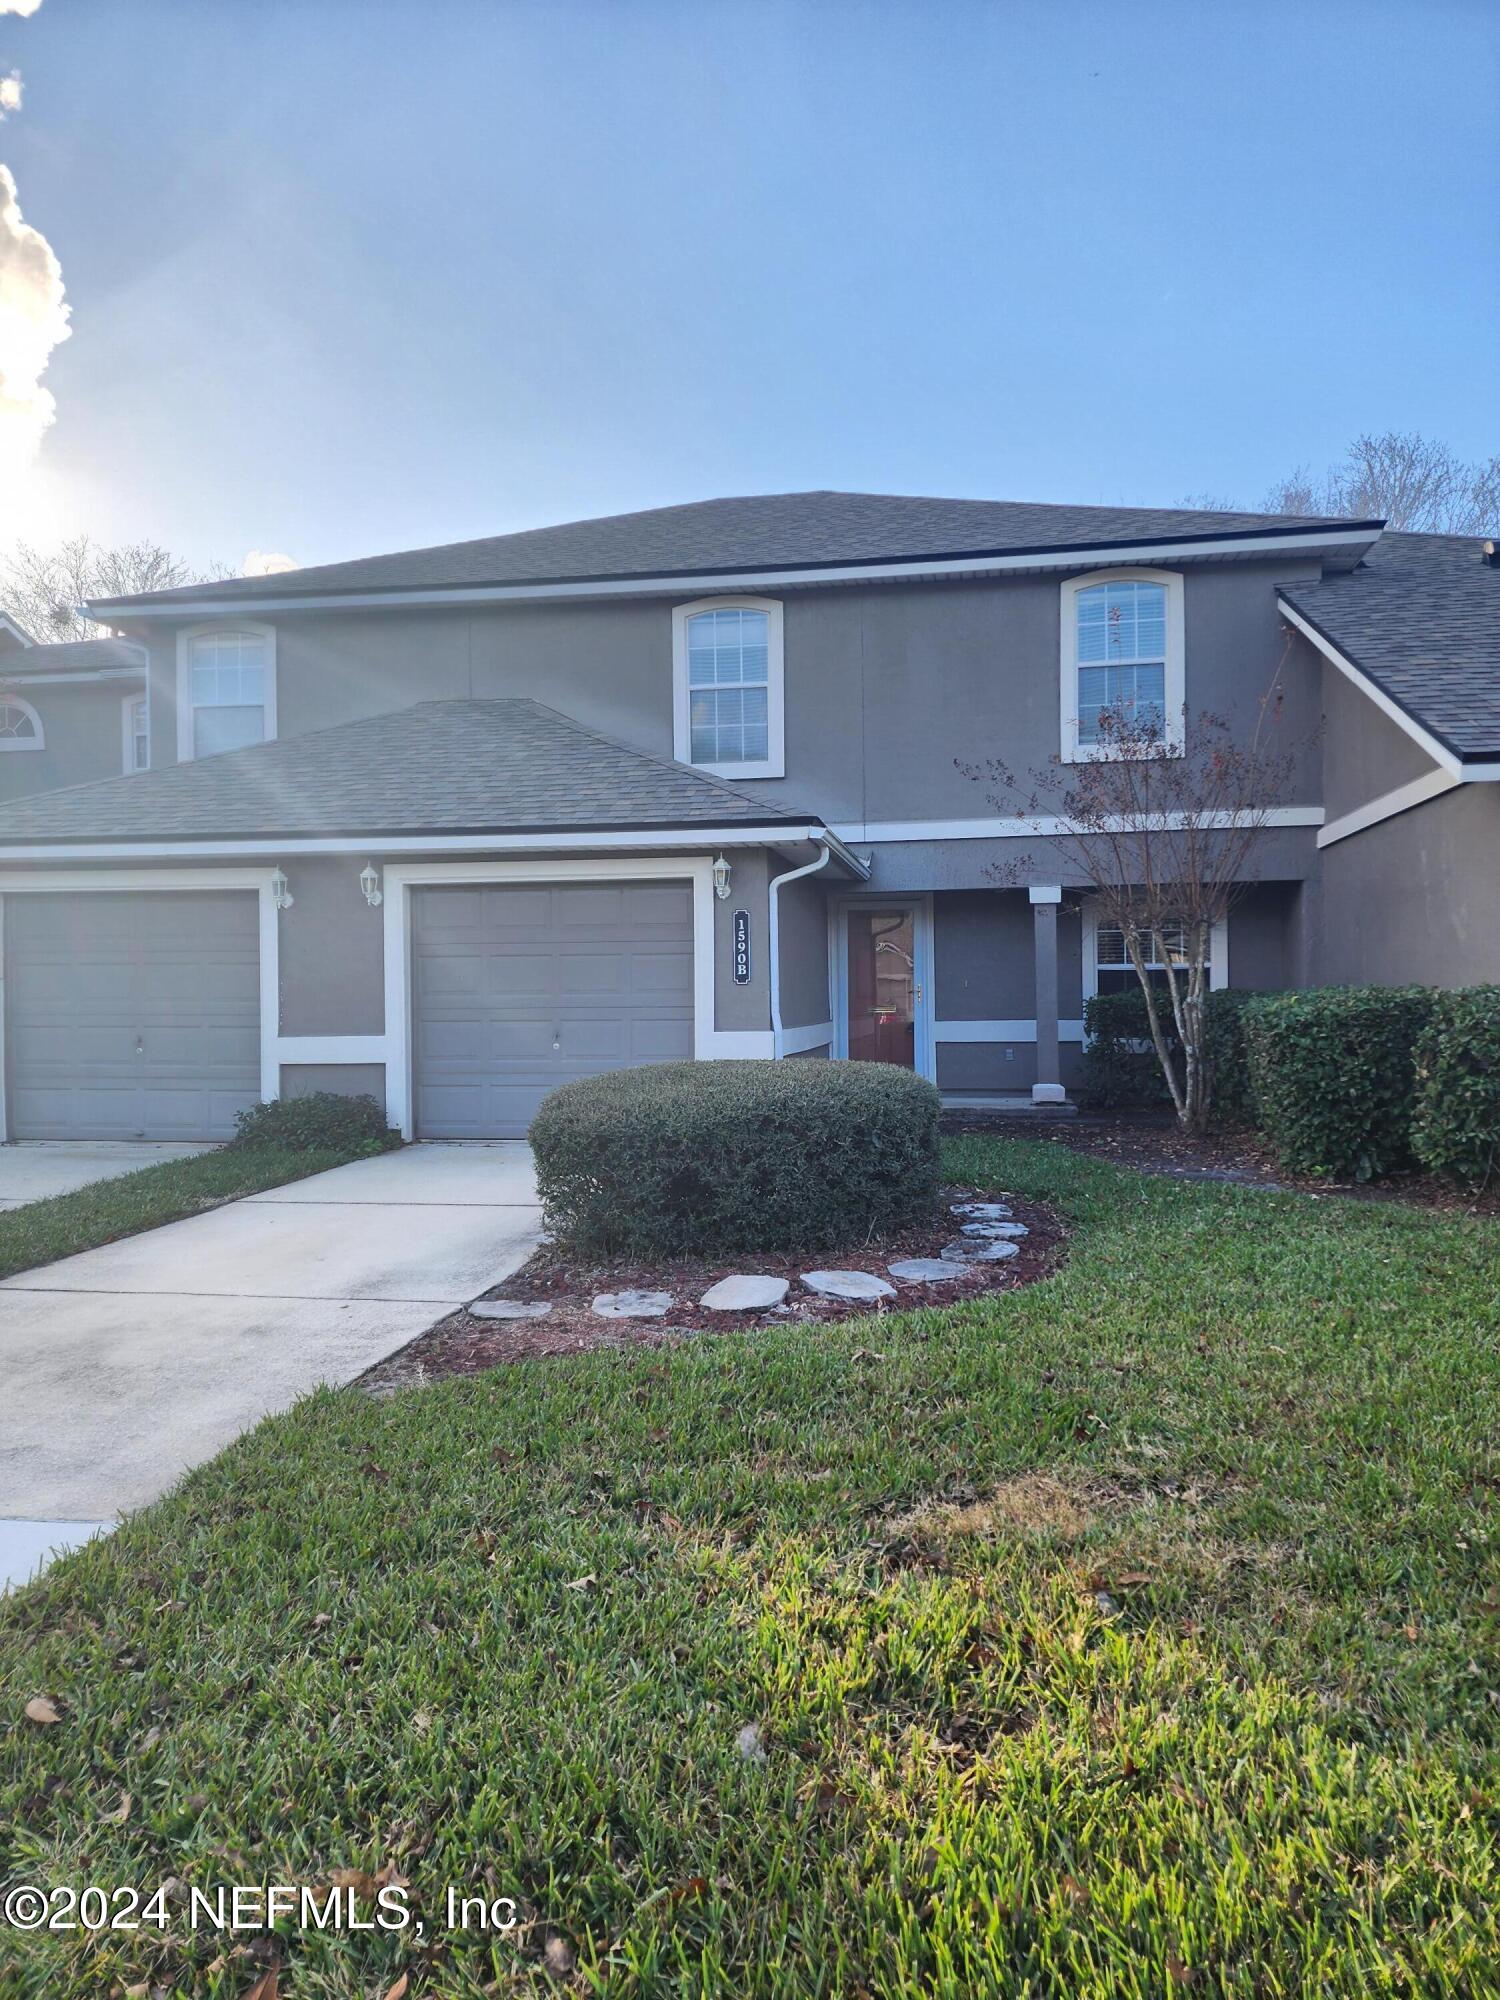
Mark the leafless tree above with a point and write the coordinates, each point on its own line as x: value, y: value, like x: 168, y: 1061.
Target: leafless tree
x: 1165, y: 836
x: 43, y: 588
x: 1413, y: 482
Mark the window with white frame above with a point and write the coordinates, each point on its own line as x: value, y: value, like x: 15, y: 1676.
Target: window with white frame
x: 135, y: 731
x: 1122, y: 658
x: 20, y: 725
x: 727, y: 673
x: 226, y: 690
x: 1116, y: 974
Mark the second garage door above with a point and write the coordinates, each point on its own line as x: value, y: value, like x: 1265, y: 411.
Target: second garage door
x: 520, y: 987
x: 131, y: 1016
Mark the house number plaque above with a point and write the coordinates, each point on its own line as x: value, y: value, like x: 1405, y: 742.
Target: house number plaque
x: 742, y: 947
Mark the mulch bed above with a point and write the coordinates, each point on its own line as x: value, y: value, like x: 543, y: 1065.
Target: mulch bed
x: 1154, y: 1144
x: 464, y: 1345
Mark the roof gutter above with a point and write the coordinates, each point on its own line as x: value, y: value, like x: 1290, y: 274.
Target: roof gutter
x: 684, y: 583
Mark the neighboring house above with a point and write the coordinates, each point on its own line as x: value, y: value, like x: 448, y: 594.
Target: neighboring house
x: 69, y: 712
x: 456, y: 825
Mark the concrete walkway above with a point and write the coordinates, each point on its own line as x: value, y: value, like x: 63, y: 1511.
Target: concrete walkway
x: 36, y: 1169
x: 126, y: 1365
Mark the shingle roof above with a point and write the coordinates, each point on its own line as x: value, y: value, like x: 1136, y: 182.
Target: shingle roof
x: 1421, y: 618
x: 507, y: 766
x: 73, y: 656
x: 768, y: 530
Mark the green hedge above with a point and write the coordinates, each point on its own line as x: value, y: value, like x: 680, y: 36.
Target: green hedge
x: 1120, y: 1065
x: 1456, y: 1126
x: 1333, y: 1075
x: 718, y: 1157
x: 324, y: 1120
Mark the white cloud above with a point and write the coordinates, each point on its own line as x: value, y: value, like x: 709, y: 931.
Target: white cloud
x: 267, y: 562
x: 10, y: 92
x: 21, y: 7
x: 33, y: 319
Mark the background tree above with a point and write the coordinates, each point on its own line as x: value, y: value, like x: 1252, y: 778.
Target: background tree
x: 1415, y: 483
x: 42, y: 588
x: 1165, y: 839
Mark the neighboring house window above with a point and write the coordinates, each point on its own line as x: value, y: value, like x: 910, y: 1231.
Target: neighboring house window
x: 727, y: 675
x: 20, y: 725
x: 1122, y: 655
x: 226, y: 689
x: 135, y: 729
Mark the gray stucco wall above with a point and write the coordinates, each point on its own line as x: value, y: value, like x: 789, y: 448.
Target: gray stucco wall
x: 803, y: 919
x: 83, y: 737
x: 1365, y: 754
x: 744, y: 1008
x: 984, y: 970
x: 1415, y: 899
x: 332, y: 950
x: 1259, y: 945
x: 345, y: 1079
x: 885, y: 685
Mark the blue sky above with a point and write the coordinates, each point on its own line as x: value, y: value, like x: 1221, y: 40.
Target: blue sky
x: 348, y: 276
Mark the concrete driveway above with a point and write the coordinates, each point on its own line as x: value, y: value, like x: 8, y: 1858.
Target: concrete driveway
x: 38, y: 1168
x: 126, y: 1365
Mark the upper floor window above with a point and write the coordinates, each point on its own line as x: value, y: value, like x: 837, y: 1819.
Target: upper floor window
x: 727, y: 673
x: 1122, y: 660
x: 135, y: 728
x: 226, y: 689
x: 20, y: 725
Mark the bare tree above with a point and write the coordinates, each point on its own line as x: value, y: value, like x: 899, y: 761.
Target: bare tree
x: 1165, y: 837
x: 43, y: 588
x: 1414, y: 483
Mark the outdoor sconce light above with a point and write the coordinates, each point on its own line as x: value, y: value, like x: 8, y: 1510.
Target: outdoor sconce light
x: 281, y: 894
x: 369, y: 881
x: 721, y: 879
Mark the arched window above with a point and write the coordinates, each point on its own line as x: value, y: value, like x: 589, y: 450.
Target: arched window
x: 226, y: 689
x: 1122, y: 656
x: 20, y: 725
x: 727, y: 673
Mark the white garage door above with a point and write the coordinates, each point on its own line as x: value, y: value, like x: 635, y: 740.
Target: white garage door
x: 520, y: 987
x: 131, y: 1016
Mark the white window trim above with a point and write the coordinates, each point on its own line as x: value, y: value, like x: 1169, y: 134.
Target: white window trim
x: 682, y: 741
x: 127, y: 734
x: 1175, y: 677
x: 8, y: 699
x: 1218, y: 952
x: 185, y: 640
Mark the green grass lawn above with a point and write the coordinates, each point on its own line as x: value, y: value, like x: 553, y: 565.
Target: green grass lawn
x: 42, y: 1231
x: 1130, y: 1635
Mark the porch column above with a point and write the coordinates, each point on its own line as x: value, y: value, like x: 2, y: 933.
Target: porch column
x: 1047, y: 1089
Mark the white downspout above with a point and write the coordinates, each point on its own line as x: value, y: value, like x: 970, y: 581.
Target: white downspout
x: 777, y: 884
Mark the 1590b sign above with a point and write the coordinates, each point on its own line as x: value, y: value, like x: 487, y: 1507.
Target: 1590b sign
x: 742, y: 947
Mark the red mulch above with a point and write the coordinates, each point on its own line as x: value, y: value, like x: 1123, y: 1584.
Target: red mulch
x: 464, y: 1345
x: 1156, y: 1146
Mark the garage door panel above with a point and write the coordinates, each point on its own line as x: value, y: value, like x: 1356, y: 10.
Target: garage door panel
x: 132, y: 1015
x: 602, y: 970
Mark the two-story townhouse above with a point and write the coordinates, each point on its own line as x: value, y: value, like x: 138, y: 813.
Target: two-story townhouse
x: 458, y: 824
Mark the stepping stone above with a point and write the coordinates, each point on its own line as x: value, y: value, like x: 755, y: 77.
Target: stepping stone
x: 992, y: 1230
x: 510, y: 1309
x: 633, y: 1305
x: 969, y: 1250
x: 926, y: 1270
x: 744, y: 1294
x: 982, y: 1211
x: 848, y: 1285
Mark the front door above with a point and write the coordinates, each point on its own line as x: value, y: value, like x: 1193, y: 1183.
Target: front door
x: 882, y: 985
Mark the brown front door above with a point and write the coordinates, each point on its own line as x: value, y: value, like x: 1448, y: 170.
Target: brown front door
x: 882, y: 986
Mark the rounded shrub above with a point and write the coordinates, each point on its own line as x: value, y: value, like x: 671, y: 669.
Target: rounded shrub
x: 708, y: 1158
x: 322, y: 1122
x: 1119, y: 1059
x: 1456, y: 1125
x: 1334, y: 1078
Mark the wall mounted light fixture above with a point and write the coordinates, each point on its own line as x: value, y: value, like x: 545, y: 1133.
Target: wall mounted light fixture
x: 369, y: 881
x: 721, y: 879
x: 281, y: 894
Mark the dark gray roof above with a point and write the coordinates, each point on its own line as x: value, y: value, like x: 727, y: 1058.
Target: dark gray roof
x: 1421, y: 618
x: 73, y: 656
x: 441, y: 767
x: 768, y: 530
